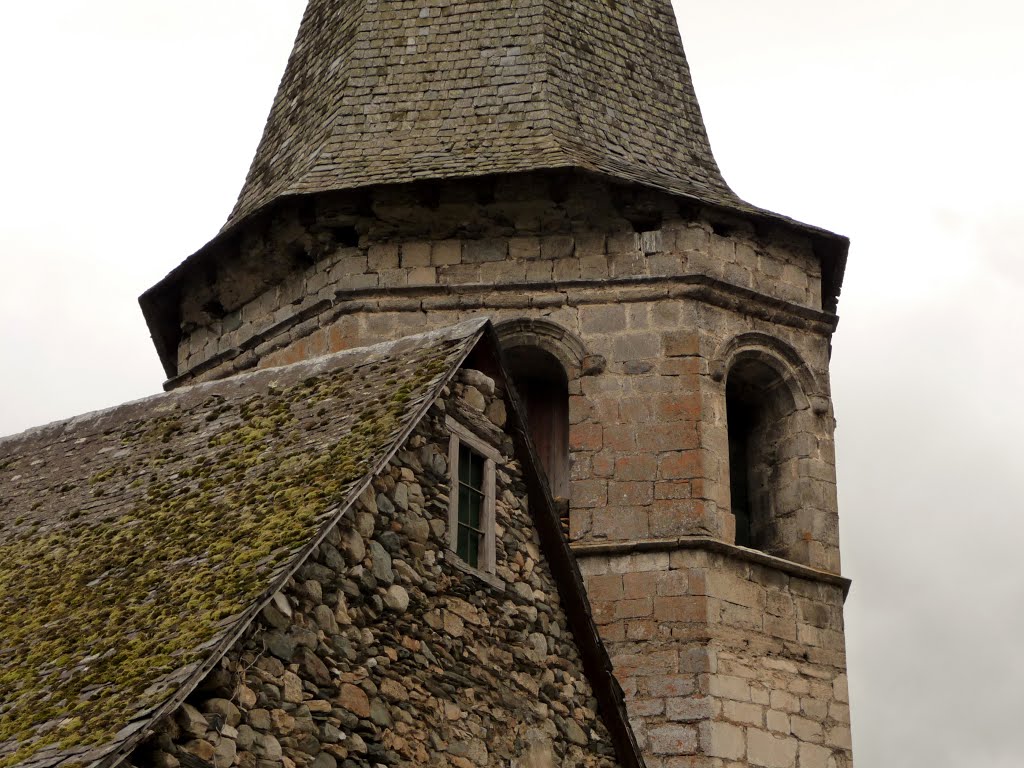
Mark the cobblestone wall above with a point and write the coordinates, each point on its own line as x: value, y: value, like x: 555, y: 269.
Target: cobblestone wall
x: 382, y: 652
x: 731, y: 662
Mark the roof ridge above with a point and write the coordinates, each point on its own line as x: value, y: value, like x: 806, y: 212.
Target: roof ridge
x: 314, y: 364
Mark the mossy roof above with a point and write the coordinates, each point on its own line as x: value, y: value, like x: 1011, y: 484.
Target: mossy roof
x: 137, y: 543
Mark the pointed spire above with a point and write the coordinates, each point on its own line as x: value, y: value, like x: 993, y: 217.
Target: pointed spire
x: 393, y: 91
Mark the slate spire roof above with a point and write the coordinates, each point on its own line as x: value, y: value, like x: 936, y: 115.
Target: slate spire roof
x: 391, y: 91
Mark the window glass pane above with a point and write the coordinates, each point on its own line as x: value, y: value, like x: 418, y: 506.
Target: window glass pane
x: 474, y: 550
x: 474, y: 508
x: 476, y: 476
x: 465, y: 494
x: 462, y: 548
x: 465, y: 462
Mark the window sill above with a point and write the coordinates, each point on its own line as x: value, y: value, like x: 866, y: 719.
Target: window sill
x: 461, y: 565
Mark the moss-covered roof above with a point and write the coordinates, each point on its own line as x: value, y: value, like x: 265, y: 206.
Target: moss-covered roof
x: 136, y: 543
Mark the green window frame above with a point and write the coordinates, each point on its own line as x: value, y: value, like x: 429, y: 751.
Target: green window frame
x: 471, y: 507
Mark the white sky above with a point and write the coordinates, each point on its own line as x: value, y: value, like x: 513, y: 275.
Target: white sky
x: 126, y: 129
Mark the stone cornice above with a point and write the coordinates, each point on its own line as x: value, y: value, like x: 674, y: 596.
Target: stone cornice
x: 525, y: 295
x: 708, y: 544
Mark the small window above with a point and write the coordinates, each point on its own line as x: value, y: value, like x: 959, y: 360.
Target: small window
x: 471, y: 500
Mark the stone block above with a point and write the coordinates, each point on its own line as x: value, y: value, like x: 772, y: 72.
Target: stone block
x: 586, y: 437
x: 652, y: 241
x: 729, y: 687
x: 682, y: 608
x: 631, y: 264
x: 382, y: 256
x: 630, y: 494
x: 839, y: 736
x: 605, y: 587
x: 692, y: 708
x: 680, y: 465
x: 806, y: 730
x: 524, y: 248
x: 624, y: 242
x: 416, y: 254
x: 422, y: 276
x: 488, y: 249
x: 589, y: 493
x: 673, y: 739
x: 840, y: 689
x: 670, y: 685
x: 630, y: 609
x: 618, y: 437
x: 813, y: 756
x: 603, y: 319
x: 557, y: 247
x: 618, y: 523
x: 718, y: 739
x: 661, y: 438
x: 743, y: 712
x: 593, y: 267
x: 673, y: 584
x: 640, y: 585
x: 785, y: 702
x: 446, y: 253
x: 769, y: 750
x: 635, y: 346
x: 777, y: 721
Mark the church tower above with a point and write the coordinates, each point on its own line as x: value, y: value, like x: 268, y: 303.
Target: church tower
x: 545, y: 164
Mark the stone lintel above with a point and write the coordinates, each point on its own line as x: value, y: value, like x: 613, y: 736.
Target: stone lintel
x: 709, y: 544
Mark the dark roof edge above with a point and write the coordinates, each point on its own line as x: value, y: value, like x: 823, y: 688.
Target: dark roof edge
x: 122, y: 751
x: 568, y: 579
x: 162, y: 300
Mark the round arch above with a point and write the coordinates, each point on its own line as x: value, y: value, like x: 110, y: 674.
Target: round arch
x: 543, y: 334
x: 753, y: 348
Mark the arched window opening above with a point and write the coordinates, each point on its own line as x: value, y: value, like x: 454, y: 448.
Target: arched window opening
x: 543, y: 388
x: 760, y: 408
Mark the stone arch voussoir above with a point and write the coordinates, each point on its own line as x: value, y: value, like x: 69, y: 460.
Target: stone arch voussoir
x: 564, y: 345
x: 783, y: 358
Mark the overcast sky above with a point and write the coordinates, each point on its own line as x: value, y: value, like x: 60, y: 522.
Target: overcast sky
x: 127, y: 129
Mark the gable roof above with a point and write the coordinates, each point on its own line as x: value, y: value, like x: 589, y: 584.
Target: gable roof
x: 137, y: 544
x: 399, y: 91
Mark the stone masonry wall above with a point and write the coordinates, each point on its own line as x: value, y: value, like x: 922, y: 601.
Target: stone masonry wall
x: 648, y: 429
x: 723, y: 661
x: 381, y: 651
x: 522, y: 230
x: 648, y: 433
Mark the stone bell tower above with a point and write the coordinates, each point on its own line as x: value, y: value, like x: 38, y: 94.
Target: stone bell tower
x: 546, y: 164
